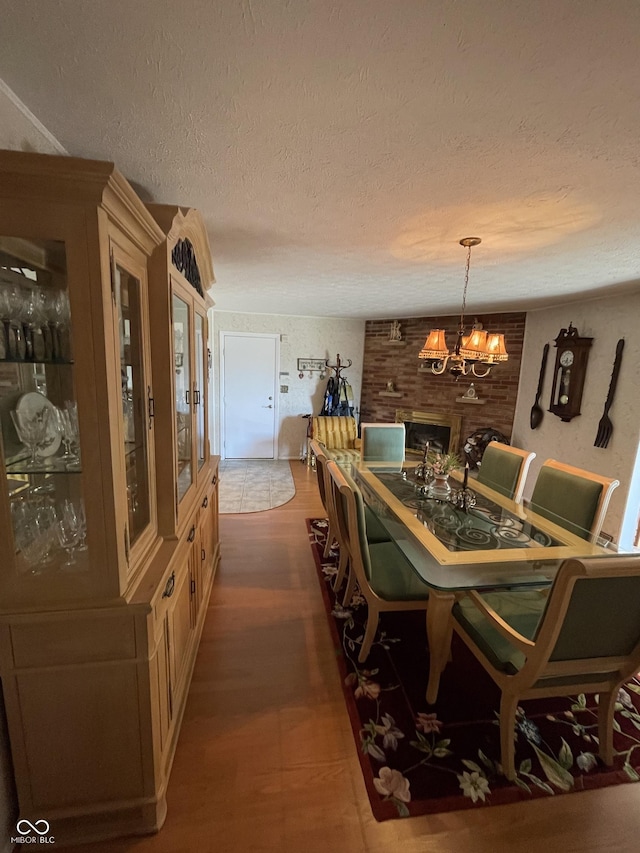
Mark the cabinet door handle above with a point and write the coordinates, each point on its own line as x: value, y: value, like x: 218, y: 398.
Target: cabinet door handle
x: 203, y: 555
x: 171, y: 583
x: 151, y: 406
x: 205, y: 502
x: 214, y: 479
x: 192, y: 534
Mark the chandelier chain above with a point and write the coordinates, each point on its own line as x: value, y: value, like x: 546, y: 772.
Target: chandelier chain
x: 466, y: 283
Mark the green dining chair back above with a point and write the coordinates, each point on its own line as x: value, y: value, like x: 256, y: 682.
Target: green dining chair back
x: 376, y: 532
x: 319, y: 453
x: 383, y: 443
x: 504, y: 468
x: 584, y: 637
x: 572, y: 498
x: 385, y: 577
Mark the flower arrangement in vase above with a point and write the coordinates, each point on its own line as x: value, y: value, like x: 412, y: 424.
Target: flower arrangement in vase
x: 442, y: 464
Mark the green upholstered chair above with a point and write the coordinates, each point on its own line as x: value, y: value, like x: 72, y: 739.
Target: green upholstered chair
x: 386, y: 578
x: 572, y: 498
x: 383, y: 443
x: 376, y: 531
x: 505, y: 468
x: 584, y: 637
x: 320, y: 457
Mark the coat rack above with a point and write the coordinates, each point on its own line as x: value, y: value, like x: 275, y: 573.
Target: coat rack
x: 339, y: 366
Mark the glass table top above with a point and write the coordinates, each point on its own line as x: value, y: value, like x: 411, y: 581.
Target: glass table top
x: 484, y: 526
x: 495, y: 543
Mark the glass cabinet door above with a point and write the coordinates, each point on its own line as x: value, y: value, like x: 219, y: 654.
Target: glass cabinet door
x: 136, y: 392
x: 182, y: 348
x: 40, y: 429
x: 201, y: 388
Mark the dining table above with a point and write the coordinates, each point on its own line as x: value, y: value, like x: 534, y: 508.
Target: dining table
x: 472, y: 538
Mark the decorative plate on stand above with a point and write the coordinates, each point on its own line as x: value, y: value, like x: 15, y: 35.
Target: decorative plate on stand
x: 32, y: 403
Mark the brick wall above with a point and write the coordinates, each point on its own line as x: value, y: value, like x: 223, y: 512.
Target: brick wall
x: 426, y: 392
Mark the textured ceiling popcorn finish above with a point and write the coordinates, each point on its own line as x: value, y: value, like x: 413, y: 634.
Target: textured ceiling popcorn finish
x: 339, y: 150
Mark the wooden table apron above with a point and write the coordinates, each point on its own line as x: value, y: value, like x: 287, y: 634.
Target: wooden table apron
x: 443, y: 595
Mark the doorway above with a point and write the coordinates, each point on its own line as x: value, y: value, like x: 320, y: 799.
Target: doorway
x: 248, y: 375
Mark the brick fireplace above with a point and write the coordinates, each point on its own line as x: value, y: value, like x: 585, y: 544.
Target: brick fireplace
x: 442, y: 431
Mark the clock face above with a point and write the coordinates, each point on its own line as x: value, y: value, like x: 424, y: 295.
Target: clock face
x: 566, y: 359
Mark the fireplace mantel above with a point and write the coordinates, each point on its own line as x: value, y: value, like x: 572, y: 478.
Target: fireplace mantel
x: 440, y: 423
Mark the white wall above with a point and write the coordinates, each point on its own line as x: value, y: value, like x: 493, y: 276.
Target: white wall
x: 19, y: 130
x: 606, y: 320
x: 301, y: 337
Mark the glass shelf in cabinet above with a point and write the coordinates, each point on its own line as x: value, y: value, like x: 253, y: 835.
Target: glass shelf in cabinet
x: 57, y: 466
x: 57, y: 362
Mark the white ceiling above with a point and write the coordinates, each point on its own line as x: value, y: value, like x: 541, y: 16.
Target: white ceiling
x: 339, y: 149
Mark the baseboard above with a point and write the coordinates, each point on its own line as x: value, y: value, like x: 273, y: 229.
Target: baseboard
x: 103, y: 823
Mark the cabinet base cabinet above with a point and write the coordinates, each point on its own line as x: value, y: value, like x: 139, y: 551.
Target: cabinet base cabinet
x: 94, y: 701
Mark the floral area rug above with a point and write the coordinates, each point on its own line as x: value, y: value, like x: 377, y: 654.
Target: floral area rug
x: 421, y: 759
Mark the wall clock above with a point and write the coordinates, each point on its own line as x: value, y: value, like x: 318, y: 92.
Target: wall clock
x: 572, y: 355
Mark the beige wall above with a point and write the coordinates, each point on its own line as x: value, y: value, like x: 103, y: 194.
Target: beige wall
x: 606, y: 320
x: 301, y: 337
x: 20, y: 130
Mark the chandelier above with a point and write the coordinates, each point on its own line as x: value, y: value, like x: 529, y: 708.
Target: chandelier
x: 475, y: 353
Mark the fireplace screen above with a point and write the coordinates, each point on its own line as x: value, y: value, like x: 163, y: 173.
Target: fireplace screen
x: 441, y: 431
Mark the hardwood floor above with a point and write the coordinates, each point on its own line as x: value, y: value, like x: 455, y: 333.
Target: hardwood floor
x: 266, y: 760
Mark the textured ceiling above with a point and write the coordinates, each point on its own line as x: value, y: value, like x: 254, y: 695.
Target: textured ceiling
x: 338, y: 149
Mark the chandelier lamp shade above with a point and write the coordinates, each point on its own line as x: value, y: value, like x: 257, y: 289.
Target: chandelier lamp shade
x: 474, y: 353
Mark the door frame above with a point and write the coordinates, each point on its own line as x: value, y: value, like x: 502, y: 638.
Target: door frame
x: 276, y: 387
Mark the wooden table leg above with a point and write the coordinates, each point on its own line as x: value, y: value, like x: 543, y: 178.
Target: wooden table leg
x: 439, y: 636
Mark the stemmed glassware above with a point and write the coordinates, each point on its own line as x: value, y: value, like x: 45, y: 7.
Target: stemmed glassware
x: 74, y: 515
x: 35, y: 526
x: 61, y: 312
x: 68, y: 537
x: 36, y: 324
x: 17, y: 342
x: 67, y: 423
x: 32, y: 431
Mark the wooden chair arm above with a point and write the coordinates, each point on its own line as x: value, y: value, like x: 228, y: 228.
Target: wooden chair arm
x: 523, y: 643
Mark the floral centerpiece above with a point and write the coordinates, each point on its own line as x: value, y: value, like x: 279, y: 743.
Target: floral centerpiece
x: 442, y: 464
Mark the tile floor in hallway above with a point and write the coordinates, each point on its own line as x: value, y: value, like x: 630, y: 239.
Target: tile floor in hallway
x: 253, y: 485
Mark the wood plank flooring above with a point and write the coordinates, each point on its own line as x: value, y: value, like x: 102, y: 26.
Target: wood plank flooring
x: 266, y: 760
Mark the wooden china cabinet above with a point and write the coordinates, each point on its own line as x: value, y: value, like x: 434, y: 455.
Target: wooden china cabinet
x: 108, y: 506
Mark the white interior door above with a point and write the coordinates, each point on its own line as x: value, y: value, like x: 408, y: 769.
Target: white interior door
x: 249, y: 400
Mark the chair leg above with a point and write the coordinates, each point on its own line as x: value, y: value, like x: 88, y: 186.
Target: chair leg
x: 508, y: 708
x: 351, y: 585
x: 329, y: 542
x: 343, y: 565
x: 369, y: 634
x: 606, y: 711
